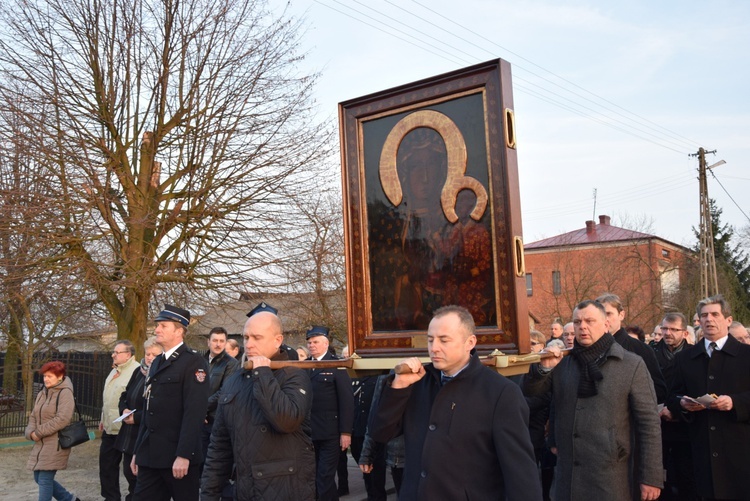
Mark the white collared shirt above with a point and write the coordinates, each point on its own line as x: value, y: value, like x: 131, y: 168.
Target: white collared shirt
x: 719, y: 343
x: 168, y: 353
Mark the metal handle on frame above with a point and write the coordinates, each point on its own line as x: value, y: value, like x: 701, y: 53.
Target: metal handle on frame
x: 509, y: 118
x: 518, y: 258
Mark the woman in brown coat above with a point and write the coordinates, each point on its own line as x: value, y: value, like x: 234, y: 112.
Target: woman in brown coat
x: 52, y: 412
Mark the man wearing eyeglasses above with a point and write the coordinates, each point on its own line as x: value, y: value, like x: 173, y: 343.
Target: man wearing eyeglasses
x: 123, y: 366
x: 676, y: 451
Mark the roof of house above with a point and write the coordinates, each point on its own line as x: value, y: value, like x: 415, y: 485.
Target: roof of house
x: 592, y: 233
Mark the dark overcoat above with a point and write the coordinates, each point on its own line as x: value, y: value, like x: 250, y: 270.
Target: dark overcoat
x: 131, y: 398
x: 720, y: 439
x: 468, y: 439
x: 263, y: 426
x: 593, y: 435
x: 175, y: 408
x: 333, y: 402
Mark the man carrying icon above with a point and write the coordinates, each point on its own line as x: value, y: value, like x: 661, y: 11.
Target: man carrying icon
x: 465, y: 426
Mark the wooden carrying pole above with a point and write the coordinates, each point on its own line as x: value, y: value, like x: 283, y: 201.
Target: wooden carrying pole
x: 399, y: 368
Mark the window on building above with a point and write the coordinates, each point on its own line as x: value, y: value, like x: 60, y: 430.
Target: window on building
x: 670, y: 282
x: 665, y: 253
x: 529, y: 285
x: 556, y: 287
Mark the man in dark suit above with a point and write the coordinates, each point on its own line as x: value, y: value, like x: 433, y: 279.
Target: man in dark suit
x: 168, y: 453
x: 332, y: 413
x: 676, y: 449
x: 718, y: 366
x: 465, y: 427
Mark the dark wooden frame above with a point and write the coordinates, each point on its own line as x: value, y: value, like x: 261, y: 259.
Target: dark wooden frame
x: 492, y: 81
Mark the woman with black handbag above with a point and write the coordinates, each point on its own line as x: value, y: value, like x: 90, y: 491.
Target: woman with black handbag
x: 53, y: 411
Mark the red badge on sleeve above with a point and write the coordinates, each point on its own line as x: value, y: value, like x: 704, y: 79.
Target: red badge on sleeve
x: 200, y: 375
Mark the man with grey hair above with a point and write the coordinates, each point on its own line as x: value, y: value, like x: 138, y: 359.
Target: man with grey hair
x: 603, y: 398
x: 716, y: 372
x: 569, y: 335
x: 123, y: 366
x: 739, y: 332
x: 465, y: 426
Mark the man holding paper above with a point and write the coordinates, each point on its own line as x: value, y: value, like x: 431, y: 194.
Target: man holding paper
x: 720, y: 427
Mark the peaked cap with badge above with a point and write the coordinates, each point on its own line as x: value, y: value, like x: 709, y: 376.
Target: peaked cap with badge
x: 317, y: 330
x: 263, y: 306
x: 174, y: 314
x: 176, y: 394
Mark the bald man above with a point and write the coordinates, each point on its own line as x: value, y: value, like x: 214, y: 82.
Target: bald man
x: 263, y: 424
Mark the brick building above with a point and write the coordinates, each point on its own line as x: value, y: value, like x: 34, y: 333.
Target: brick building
x: 644, y: 270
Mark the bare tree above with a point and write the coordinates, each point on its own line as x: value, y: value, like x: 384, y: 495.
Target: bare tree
x: 167, y: 129
x: 40, y: 295
x: 317, y: 274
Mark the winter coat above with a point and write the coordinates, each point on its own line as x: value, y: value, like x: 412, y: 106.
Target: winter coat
x: 720, y: 439
x: 593, y: 435
x: 468, y: 439
x: 113, y: 388
x: 175, y: 410
x: 263, y: 426
x: 131, y: 398
x: 50, y: 415
x: 649, y: 358
x: 220, y: 368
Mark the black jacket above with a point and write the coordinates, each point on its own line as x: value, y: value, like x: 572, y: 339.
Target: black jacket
x: 333, y: 402
x: 263, y: 426
x: 468, y: 439
x: 647, y: 354
x: 219, y: 369
x: 670, y: 430
x: 720, y: 439
x: 173, y: 417
x: 131, y: 398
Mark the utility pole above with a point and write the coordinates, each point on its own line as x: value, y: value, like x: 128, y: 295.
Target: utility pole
x: 709, y: 278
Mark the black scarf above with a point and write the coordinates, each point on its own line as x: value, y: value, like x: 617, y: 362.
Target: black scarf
x: 590, y: 359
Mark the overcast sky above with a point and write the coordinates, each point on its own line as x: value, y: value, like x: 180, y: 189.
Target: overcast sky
x: 611, y: 96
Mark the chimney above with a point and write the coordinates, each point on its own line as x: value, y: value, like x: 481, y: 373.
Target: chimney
x: 604, y: 220
x: 590, y: 227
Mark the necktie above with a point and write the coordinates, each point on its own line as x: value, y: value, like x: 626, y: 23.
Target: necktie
x: 711, y: 348
x: 445, y: 379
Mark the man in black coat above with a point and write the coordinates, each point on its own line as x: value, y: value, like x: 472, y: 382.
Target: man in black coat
x: 332, y: 413
x: 676, y: 450
x: 168, y: 453
x: 615, y: 316
x: 718, y: 366
x: 465, y: 426
x: 263, y: 424
x: 220, y: 367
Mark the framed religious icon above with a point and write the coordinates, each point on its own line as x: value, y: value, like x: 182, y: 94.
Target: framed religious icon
x: 432, y: 211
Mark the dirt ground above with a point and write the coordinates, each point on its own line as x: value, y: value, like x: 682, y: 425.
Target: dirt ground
x: 81, y: 476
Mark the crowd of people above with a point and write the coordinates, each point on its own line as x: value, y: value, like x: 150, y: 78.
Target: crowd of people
x: 624, y: 416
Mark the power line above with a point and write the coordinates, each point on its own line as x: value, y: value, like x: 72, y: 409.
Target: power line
x: 641, y: 134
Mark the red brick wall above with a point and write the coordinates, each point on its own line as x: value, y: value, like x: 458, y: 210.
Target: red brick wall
x: 632, y: 270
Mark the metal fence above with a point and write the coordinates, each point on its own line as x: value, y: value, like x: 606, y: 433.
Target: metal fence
x: 87, y: 371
